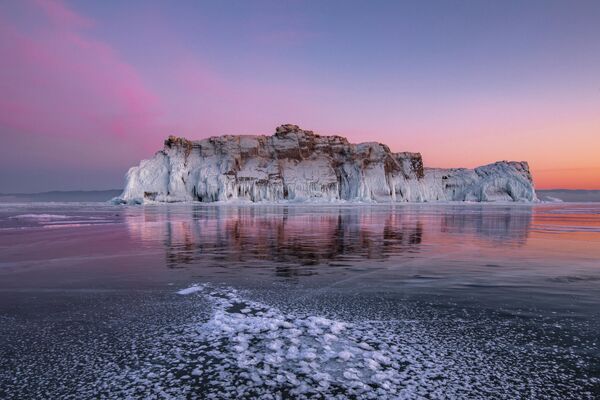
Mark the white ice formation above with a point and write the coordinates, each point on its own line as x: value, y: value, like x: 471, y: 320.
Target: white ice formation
x: 298, y: 165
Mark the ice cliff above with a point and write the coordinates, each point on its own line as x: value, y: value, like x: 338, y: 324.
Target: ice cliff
x: 298, y: 165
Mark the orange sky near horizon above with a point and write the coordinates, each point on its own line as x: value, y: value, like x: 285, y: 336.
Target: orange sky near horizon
x: 558, y: 136
x: 568, y: 178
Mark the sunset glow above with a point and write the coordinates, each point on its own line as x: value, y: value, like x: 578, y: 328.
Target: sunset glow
x: 88, y: 89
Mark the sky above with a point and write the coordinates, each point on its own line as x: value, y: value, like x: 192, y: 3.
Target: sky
x: 89, y: 88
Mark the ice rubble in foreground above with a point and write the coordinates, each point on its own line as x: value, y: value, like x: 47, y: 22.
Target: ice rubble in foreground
x: 240, y: 347
x: 298, y: 165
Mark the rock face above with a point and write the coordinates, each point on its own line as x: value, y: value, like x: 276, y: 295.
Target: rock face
x: 298, y: 165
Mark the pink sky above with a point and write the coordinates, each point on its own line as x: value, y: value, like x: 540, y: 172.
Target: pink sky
x: 84, y: 96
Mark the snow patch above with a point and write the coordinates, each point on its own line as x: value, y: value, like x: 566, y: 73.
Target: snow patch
x: 248, y: 349
x: 190, y: 290
x: 44, y: 217
x: 307, y: 355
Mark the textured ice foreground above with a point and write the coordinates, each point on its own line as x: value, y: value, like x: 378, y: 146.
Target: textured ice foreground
x: 298, y: 165
x: 268, y: 349
x: 249, y: 349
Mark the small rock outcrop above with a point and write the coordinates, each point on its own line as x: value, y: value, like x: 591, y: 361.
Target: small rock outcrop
x: 299, y: 165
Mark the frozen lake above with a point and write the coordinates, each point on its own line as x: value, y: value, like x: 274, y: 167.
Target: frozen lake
x: 314, y: 301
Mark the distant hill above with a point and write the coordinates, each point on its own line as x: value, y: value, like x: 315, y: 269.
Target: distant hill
x: 61, y: 196
x: 569, y: 195
x: 565, y: 195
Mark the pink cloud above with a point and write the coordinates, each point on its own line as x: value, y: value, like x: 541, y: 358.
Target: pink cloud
x: 59, y: 13
x: 58, y: 81
x: 76, y: 100
x: 203, y: 100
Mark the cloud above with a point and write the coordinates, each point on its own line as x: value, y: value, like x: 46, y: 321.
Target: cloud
x: 71, y: 100
x: 58, y: 81
x: 59, y: 13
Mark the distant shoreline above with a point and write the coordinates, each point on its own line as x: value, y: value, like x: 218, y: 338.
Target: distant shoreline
x: 569, y: 195
x: 61, y: 196
x: 547, y: 195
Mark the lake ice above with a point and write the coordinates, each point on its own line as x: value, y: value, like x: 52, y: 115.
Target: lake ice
x: 300, y: 301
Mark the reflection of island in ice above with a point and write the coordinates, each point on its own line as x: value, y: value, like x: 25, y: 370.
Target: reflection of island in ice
x: 504, y: 225
x: 293, y: 237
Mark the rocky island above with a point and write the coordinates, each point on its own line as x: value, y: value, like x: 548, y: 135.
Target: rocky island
x: 299, y: 165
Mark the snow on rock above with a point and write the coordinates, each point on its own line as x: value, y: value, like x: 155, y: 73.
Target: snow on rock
x: 298, y: 165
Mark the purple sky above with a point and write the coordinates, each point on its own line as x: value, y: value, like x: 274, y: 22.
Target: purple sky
x: 87, y: 89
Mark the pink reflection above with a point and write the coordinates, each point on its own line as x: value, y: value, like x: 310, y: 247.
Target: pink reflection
x: 298, y: 235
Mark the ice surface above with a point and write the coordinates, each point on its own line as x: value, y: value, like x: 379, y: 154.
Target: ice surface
x: 298, y: 165
x: 467, y: 300
x: 250, y: 349
x: 40, y: 216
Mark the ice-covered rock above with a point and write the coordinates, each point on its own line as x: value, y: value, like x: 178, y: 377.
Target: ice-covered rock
x: 298, y: 165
